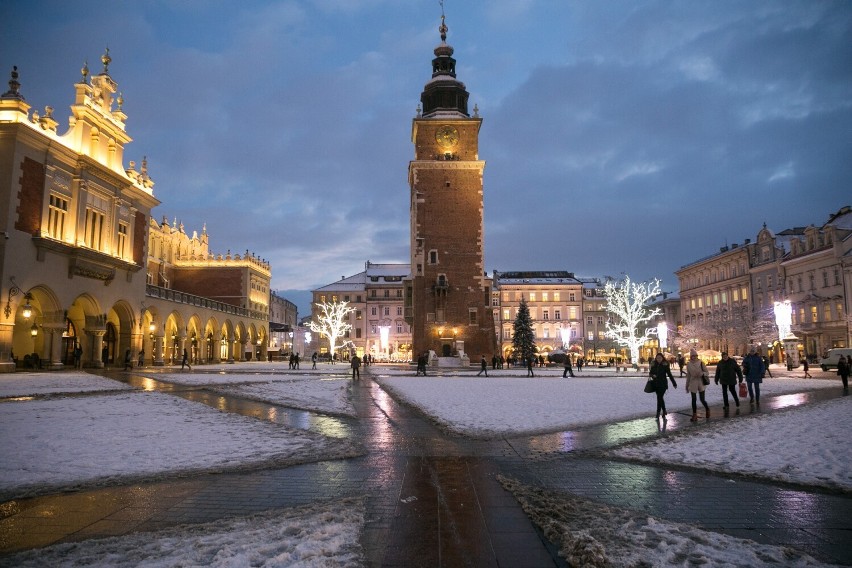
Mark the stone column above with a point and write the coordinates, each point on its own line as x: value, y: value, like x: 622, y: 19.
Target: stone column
x: 231, y: 342
x: 97, y: 343
x: 158, y: 350
x: 242, y: 348
x: 7, y: 365
x: 181, y: 347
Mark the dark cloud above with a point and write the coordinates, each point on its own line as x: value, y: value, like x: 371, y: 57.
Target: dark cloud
x: 619, y: 136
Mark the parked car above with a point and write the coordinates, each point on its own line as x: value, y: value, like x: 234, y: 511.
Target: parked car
x: 833, y: 356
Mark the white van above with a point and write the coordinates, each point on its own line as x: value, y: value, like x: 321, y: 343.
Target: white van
x: 830, y: 362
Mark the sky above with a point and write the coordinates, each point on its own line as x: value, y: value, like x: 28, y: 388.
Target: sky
x: 199, y: 438
x: 619, y: 137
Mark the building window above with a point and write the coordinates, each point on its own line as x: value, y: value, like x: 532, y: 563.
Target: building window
x: 825, y: 278
x: 591, y: 336
x: 836, y: 277
x: 700, y: 302
x: 557, y: 314
x: 387, y: 310
x: 744, y: 293
x: 399, y: 327
x: 826, y: 314
x: 814, y: 314
x: 373, y: 311
x: 495, y: 302
x: 545, y: 314
x: 839, y: 310
x: 572, y: 312
x: 56, y: 217
x: 546, y: 333
x: 556, y: 296
x: 357, y: 333
x: 373, y: 328
x: 358, y: 314
x: 322, y: 298
x: 345, y: 298
x: 473, y: 319
x: 399, y: 310
x: 121, y: 244
x: 372, y: 293
x: 507, y: 313
x: 589, y: 321
x: 387, y: 293
x: 532, y: 296
x: 94, y: 228
x: 399, y: 293
x: 571, y: 297
x: 544, y: 296
x: 811, y: 280
x: 433, y: 256
x: 600, y: 320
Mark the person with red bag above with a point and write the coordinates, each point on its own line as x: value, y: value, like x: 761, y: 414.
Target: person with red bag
x: 727, y: 373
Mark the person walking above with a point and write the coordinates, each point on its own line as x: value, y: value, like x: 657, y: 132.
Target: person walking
x: 843, y: 370
x: 530, y: 363
x: 806, y: 367
x: 483, y: 366
x: 296, y: 361
x: 127, y: 360
x: 356, y: 368
x: 727, y: 374
x: 568, y: 370
x: 78, y: 357
x: 681, y: 362
x: 661, y: 373
x: 766, y: 365
x: 314, y: 358
x: 696, y: 374
x: 141, y: 361
x: 185, y: 361
x: 493, y: 362
x: 753, y: 371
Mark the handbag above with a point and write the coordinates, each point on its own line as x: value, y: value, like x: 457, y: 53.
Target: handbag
x: 705, y: 376
x: 649, y: 386
x: 743, y: 391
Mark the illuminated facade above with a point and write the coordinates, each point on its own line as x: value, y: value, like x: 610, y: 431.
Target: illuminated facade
x: 76, y: 264
x: 555, y: 302
x: 378, y: 322
x: 448, y: 293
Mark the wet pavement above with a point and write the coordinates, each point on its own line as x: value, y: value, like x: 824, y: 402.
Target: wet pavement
x: 433, y: 498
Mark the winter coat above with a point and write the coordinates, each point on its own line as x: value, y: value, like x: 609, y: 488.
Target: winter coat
x: 660, y: 372
x: 727, y: 372
x: 694, y: 371
x: 755, y: 367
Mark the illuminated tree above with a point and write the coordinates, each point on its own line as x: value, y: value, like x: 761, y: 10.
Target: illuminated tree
x: 625, y: 302
x: 331, y: 321
x: 523, y: 337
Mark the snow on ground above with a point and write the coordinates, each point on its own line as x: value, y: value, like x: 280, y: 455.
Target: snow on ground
x: 33, y: 384
x: 118, y: 436
x: 112, y: 438
x: 592, y: 534
x: 323, y: 534
x: 327, y: 393
x: 510, y: 406
x: 815, y: 449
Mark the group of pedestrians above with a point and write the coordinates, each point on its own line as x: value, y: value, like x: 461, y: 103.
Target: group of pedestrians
x: 728, y: 375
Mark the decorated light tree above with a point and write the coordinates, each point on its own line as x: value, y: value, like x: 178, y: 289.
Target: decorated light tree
x: 523, y: 337
x: 626, y: 303
x: 331, y: 321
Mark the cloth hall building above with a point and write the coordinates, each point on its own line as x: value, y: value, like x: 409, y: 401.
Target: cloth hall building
x: 84, y: 265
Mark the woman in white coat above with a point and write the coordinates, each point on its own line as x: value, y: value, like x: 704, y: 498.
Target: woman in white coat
x: 696, y: 371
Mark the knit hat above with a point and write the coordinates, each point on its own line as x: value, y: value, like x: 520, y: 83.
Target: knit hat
x: 693, y: 353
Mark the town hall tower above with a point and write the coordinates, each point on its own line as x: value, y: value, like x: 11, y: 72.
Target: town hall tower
x: 448, y: 292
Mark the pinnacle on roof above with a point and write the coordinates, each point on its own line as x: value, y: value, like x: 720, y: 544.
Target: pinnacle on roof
x: 14, y: 91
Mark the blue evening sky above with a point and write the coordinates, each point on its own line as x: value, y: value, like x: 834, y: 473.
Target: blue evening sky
x: 620, y: 136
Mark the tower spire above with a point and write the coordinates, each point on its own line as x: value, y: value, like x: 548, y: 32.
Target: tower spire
x: 444, y: 95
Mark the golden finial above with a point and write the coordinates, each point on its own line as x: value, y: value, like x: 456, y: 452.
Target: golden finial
x: 106, y: 59
x: 120, y: 100
x: 85, y: 70
x: 443, y: 28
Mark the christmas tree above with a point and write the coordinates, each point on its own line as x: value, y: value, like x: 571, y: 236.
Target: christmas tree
x: 523, y: 339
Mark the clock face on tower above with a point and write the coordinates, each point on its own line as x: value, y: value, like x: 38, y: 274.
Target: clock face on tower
x: 447, y: 136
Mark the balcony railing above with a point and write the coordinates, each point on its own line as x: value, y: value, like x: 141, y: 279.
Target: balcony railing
x: 199, y: 301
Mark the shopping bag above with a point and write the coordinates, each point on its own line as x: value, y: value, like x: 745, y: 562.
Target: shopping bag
x: 649, y: 386
x: 743, y: 391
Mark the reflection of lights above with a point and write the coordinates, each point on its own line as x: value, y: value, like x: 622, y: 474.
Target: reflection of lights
x: 783, y: 318
x: 663, y: 334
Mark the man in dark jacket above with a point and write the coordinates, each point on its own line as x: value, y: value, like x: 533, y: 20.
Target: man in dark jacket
x: 754, y: 369
x: 727, y: 373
